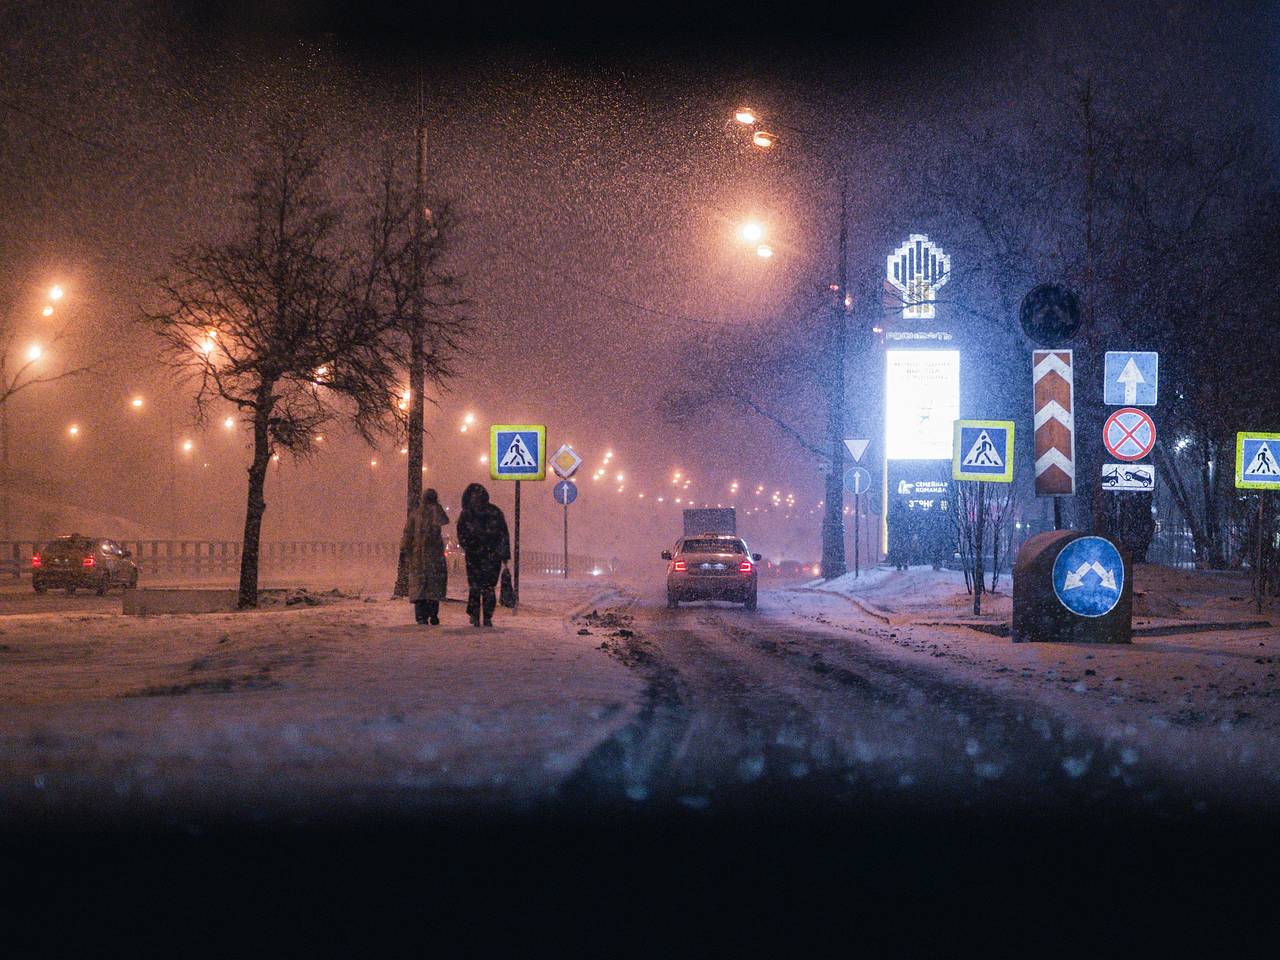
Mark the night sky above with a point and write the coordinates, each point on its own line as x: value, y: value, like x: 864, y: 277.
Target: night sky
x: 599, y: 182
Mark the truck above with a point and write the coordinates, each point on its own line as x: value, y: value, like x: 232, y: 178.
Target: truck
x: 710, y: 520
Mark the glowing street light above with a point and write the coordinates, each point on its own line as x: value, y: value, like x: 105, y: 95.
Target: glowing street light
x: 230, y: 423
x: 34, y: 352
x: 55, y: 292
x: 73, y: 430
x: 764, y: 139
x: 469, y: 419
x: 764, y: 251
x: 752, y: 231
x: 745, y: 115
x: 47, y: 311
x: 187, y: 446
x: 136, y: 403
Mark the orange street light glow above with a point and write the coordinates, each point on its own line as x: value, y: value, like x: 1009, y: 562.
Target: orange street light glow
x: 47, y: 311
x: 229, y: 423
x: 764, y: 251
x: 34, y: 352
x: 745, y: 115
x: 55, y: 292
x: 752, y: 232
x: 73, y: 430
x: 136, y: 403
x: 187, y: 446
x: 764, y: 139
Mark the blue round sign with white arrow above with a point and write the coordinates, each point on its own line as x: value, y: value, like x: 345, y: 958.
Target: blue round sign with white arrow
x: 565, y: 492
x: 1088, y: 576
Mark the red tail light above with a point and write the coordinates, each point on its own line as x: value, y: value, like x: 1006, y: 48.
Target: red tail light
x: 745, y: 566
x: 35, y: 560
x: 680, y: 566
x: 88, y: 562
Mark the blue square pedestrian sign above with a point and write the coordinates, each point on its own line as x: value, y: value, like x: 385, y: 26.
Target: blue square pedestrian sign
x: 983, y: 450
x: 1256, y: 465
x: 517, y: 451
x: 1130, y: 378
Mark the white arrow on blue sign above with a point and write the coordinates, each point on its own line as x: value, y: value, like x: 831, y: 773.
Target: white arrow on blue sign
x: 1088, y: 576
x: 857, y: 480
x: 1131, y: 378
x: 565, y: 492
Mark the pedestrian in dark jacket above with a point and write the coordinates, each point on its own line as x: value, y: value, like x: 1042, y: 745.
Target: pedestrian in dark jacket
x: 428, y: 570
x: 482, y: 534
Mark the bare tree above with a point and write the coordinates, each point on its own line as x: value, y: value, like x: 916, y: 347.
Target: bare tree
x: 280, y: 323
x: 408, y: 287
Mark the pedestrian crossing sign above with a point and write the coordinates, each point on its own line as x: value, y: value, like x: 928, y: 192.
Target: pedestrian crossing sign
x: 1256, y: 465
x: 983, y: 450
x: 517, y: 451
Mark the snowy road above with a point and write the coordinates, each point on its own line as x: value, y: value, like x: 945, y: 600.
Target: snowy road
x: 791, y: 706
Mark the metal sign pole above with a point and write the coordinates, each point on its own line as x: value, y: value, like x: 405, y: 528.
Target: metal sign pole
x: 857, y: 534
x: 515, y: 573
x: 566, y: 541
x: 1257, y: 563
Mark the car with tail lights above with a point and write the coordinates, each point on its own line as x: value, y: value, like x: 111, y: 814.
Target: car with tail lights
x: 711, y: 566
x: 75, y: 562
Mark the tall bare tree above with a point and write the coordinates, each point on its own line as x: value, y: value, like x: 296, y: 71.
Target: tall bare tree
x: 408, y: 287
x: 280, y: 322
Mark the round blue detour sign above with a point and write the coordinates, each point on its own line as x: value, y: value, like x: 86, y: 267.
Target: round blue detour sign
x: 1088, y: 576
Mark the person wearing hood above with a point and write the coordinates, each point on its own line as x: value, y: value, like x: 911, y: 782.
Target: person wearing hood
x: 483, y: 536
x: 423, y: 542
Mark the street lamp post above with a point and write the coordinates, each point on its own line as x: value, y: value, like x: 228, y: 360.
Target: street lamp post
x: 833, y: 551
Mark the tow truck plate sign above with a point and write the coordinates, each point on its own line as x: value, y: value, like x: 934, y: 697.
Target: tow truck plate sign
x: 1129, y: 477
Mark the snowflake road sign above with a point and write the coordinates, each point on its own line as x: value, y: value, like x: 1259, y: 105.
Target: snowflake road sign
x: 983, y: 450
x: 517, y: 452
x: 1256, y: 464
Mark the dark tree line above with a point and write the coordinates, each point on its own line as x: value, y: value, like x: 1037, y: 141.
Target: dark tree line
x: 1168, y: 232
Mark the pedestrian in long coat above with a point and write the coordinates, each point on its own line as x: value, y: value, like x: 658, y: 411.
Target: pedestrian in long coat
x: 482, y: 534
x: 428, y: 569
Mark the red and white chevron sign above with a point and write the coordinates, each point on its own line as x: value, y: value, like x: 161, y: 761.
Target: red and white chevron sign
x: 1053, y: 401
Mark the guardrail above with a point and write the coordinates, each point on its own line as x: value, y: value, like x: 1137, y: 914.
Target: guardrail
x: 221, y: 558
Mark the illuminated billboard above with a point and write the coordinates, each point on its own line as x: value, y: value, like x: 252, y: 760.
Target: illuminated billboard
x: 922, y: 401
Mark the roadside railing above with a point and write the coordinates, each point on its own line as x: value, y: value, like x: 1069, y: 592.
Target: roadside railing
x: 219, y: 559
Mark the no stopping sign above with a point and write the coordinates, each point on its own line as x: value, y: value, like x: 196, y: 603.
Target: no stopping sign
x: 1129, y: 434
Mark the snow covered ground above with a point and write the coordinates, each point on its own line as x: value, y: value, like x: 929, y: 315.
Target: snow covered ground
x: 284, y: 709
x: 1192, y: 686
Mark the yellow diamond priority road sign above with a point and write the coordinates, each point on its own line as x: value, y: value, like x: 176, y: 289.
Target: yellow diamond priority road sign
x: 565, y: 462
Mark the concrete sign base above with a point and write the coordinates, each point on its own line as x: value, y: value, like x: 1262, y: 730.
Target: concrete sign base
x: 1072, y: 587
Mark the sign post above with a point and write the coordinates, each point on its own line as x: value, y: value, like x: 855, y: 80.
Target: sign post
x: 517, y: 452
x: 564, y: 493
x: 857, y: 480
x: 565, y: 463
x: 1258, y: 469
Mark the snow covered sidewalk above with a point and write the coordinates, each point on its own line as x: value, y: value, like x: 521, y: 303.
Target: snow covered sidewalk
x: 1193, y: 679
x: 305, y: 710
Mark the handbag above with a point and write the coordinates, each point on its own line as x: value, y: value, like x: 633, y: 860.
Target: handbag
x: 506, y: 589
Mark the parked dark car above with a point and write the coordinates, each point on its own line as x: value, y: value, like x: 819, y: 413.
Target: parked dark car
x: 95, y: 563
x: 711, y: 567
